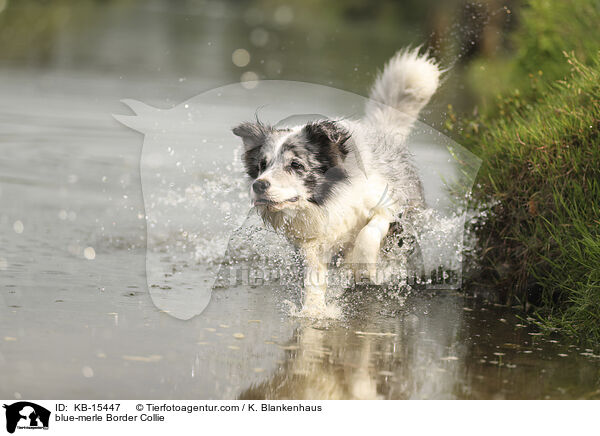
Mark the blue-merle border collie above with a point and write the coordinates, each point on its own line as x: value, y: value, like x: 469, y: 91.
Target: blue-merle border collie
x: 332, y: 185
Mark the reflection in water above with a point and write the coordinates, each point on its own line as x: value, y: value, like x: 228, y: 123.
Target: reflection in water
x: 409, y: 353
x: 439, y: 346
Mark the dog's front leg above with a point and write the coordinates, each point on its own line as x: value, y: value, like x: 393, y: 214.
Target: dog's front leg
x: 315, y: 279
x: 366, y: 247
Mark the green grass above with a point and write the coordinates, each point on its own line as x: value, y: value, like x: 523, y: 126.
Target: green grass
x: 541, y: 178
x: 538, y: 134
x: 534, y: 57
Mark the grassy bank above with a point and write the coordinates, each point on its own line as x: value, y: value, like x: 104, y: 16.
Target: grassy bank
x: 533, y: 55
x: 540, y: 145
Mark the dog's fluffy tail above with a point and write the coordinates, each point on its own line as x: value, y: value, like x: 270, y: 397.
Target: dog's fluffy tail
x: 404, y: 87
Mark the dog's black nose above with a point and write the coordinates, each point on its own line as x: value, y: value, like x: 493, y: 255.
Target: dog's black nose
x: 260, y: 186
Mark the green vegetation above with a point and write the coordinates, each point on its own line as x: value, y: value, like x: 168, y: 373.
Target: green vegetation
x: 540, y: 145
x: 534, y: 56
x: 30, y: 30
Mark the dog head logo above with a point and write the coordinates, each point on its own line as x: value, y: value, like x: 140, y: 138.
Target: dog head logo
x: 26, y: 415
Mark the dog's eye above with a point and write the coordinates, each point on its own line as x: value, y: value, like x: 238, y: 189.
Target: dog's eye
x: 262, y: 165
x: 297, y: 165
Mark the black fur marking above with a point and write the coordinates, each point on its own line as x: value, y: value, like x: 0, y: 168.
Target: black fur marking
x: 323, y: 187
x: 328, y: 140
x: 254, y: 136
x: 326, y: 143
x: 252, y: 158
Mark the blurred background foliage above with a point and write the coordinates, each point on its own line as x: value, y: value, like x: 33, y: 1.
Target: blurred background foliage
x: 339, y: 43
x: 535, y: 54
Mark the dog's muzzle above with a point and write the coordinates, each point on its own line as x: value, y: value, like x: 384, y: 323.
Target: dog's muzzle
x: 260, y: 186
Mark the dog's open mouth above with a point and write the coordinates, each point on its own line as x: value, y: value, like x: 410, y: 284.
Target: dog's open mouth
x: 271, y: 203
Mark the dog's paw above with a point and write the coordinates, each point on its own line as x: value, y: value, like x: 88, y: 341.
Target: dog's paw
x: 327, y: 311
x: 367, y: 273
x: 314, y: 306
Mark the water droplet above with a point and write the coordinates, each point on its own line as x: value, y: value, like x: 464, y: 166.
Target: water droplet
x: 18, y: 227
x: 284, y: 14
x: 249, y: 80
x: 240, y: 57
x: 89, y: 253
x: 87, y: 372
x: 259, y: 37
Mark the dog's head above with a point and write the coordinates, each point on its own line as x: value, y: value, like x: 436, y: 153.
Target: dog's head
x: 293, y: 168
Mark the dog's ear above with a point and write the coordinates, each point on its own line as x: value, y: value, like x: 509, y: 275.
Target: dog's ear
x: 253, y: 134
x: 330, y: 138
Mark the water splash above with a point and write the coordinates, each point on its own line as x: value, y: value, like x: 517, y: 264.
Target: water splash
x: 202, y: 235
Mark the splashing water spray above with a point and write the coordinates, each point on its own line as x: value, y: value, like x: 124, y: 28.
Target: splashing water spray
x: 202, y: 233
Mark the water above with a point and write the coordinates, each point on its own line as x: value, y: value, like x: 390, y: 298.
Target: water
x: 77, y: 320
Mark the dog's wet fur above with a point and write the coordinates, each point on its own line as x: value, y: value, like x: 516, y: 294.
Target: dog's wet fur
x: 339, y: 184
x: 313, y: 155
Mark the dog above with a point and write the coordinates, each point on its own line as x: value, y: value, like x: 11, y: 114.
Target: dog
x: 336, y: 185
